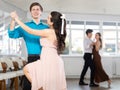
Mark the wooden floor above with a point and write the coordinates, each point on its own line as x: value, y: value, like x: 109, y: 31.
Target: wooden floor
x: 72, y: 84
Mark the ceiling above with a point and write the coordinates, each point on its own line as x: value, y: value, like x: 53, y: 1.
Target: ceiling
x: 3, y: 15
x: 72, y: 6
x: 24, y: 4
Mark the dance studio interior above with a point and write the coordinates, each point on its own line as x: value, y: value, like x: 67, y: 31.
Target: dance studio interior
x: 79, y: 67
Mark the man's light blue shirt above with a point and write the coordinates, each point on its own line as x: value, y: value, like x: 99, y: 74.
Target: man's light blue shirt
x: 32, y: 42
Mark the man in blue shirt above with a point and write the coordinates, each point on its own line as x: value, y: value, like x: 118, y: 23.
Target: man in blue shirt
x: 32, y: 41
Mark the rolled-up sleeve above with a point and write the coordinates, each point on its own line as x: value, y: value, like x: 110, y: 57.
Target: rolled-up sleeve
x: 15, y: 33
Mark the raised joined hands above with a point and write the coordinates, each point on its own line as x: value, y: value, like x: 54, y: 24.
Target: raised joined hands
x: 14, y: 15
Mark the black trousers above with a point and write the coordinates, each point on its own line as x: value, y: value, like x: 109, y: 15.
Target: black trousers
x: 26, y: 83
x: 88, y: 63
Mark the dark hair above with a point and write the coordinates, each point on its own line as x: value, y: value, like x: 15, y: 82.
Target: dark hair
x: 100, y: 39
x: 89, y: 31
x: 57, y: 23
x: 36, y: 4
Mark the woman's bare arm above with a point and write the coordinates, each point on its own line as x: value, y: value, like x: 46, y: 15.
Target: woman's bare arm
x: 42, y: 33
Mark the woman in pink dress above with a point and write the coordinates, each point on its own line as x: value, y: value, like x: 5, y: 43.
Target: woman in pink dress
x: 48, y: 72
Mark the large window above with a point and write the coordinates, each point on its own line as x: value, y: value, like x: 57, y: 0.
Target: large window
x: 7, y: 45
x: 118, y: 43
x: 109, y: 38
x: 77, y: 41
x: 66, y: 51
x: 15, y: 46
x: 77, y: 35
x: 109, y: 42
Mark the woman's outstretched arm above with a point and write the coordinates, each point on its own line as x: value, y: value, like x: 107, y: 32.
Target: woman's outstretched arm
x: 42, y: 33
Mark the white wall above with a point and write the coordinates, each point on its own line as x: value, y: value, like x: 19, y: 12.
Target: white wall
x: 74, y: 65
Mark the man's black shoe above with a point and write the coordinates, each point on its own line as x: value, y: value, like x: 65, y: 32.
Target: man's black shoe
x: 93, y: 85
x: 82, y: 83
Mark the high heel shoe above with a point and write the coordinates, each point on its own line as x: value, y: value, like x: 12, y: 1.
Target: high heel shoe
x: 109, y: 83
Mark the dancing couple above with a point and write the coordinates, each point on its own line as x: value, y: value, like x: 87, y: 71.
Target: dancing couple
x: 47, y: 73
x: 97, y: 73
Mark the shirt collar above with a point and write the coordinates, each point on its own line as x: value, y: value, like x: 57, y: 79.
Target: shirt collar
x: 32, y: 21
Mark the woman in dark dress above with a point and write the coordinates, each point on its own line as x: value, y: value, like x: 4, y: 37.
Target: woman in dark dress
x: 100, y: 74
